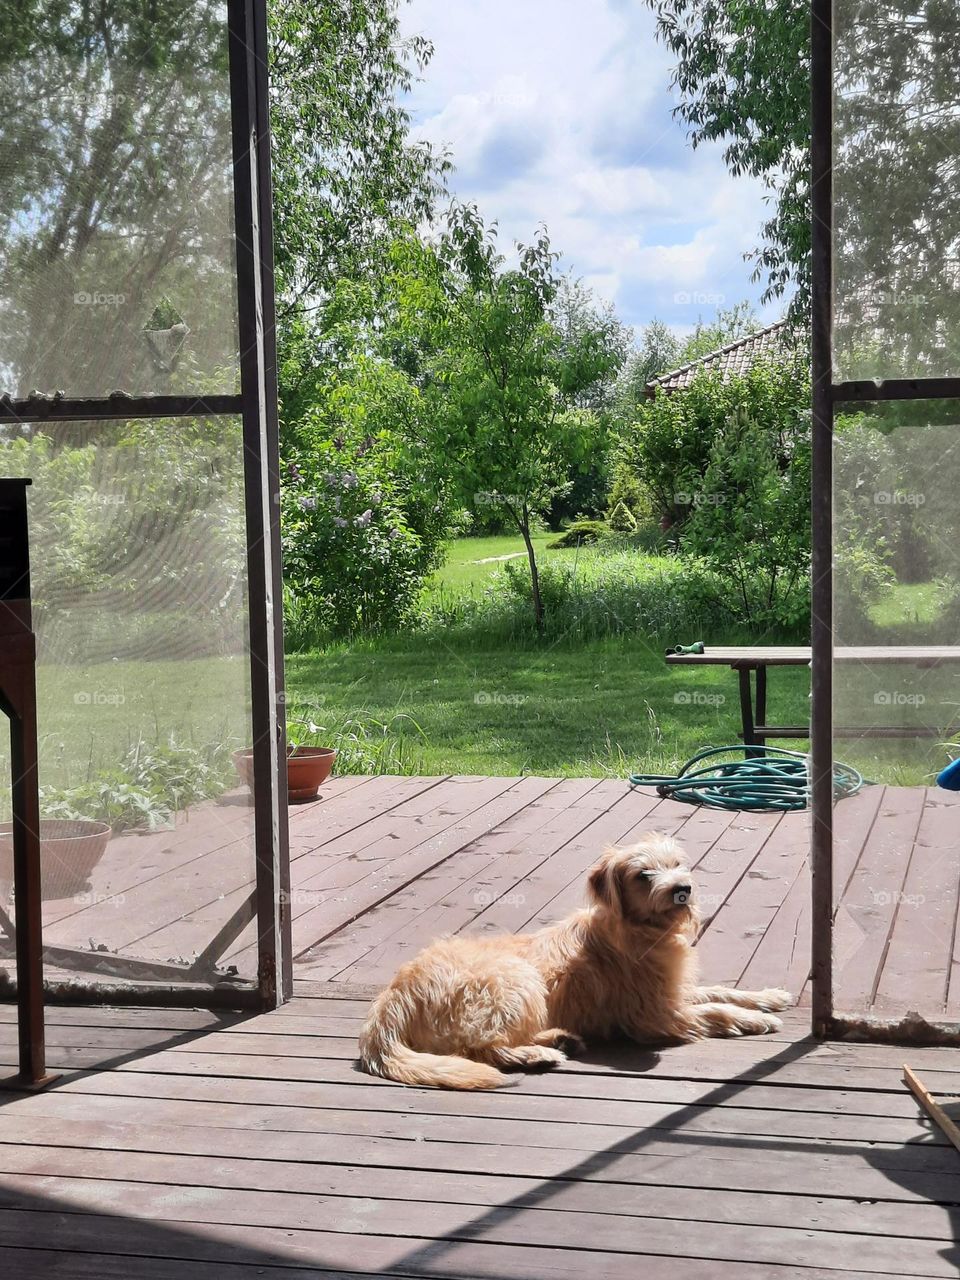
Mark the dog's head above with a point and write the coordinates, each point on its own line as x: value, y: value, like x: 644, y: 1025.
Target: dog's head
x: 649, y: 883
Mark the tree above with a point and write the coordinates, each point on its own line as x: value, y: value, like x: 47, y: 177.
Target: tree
x: 727, y: 463
x: 576, y: 312
x: 117, y: 195
x: 348, y: 177
x: 347, y: 173
x: 657, y: 352
x: 743, y: 75
x: 504, y: 379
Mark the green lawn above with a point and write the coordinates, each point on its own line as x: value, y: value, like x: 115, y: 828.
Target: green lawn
x: 471, y: 561
x: 432, y: 704
x: 90, y: 716
x: 909, y: 602
x: 604, y: 707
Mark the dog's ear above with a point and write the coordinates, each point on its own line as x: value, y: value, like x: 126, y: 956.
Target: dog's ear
x: 605, y: 883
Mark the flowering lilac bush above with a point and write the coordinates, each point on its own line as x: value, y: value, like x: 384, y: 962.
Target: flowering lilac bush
x: 364, y: 519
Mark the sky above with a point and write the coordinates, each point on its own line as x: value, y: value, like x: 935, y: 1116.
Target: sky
x: 559, y: 111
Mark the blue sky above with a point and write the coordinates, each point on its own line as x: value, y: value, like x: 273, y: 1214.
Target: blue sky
x: 559, y: 111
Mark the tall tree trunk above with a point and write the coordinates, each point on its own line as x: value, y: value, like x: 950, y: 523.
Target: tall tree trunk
x: 524, y: 523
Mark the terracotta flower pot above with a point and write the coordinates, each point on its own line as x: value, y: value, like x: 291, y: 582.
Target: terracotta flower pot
x: 307, y: 769
x: 69, y: 851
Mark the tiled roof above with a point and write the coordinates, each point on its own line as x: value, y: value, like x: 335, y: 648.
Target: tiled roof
x: 734, y: 358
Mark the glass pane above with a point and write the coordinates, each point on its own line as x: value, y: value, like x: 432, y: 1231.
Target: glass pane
x: 897, y: 706
x: 897, y: 199
x: 116, y: 200
x: 140, y: 607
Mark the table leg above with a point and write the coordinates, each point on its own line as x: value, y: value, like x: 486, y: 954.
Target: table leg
x: 749, y: 735
x: 761, y: 698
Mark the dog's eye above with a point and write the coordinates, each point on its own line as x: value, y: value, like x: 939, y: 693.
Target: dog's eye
x: 644, y: 875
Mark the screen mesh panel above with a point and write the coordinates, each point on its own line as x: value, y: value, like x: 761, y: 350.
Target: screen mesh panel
x: 139, y: 572
x: 896, y: 189
x: 897, y: 705
x: 116, y: 200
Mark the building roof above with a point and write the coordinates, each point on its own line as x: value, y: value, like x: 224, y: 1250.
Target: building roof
x: 736, y: 357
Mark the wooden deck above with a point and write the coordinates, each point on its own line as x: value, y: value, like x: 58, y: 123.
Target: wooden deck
x: 382, y: 865
x: 181, y: 1143
x: 186, y: 1144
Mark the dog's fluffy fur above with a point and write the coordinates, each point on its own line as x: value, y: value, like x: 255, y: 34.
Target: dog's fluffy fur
x: 624, y: 965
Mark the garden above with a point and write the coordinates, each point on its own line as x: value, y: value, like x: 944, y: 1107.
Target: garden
x: 491, y: 531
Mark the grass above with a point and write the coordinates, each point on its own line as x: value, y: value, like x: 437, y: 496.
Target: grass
x: 908, y: 602
x: 470, y: 562
x: 605, y: 707
x: 469, y: 703
x: 91, y: 715
x: 438, y: 703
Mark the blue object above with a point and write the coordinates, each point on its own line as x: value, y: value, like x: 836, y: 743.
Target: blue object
x: 950, y: 777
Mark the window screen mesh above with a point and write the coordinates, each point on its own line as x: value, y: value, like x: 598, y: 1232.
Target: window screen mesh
x: 116, y: 201
x: 897, y: 189
x: 140, y: 606
x: 897, y: 706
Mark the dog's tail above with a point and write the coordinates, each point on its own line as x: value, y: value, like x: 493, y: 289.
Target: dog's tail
x: 384, y: 1053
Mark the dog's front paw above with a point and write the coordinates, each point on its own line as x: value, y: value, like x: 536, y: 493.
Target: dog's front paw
x: 567, y: 1042
x: 769, y: 1023
x: 772, y: 998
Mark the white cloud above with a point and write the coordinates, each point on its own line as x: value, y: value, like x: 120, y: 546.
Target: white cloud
x: 559, y: 111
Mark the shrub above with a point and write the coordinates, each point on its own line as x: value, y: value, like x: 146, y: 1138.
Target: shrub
x: 728, y: 463
x: 628, y: 490
x: 622, y: 519
x: 152, y: 784
x: 580, y: 533
x: 609, y: 591
x: 363, y: 515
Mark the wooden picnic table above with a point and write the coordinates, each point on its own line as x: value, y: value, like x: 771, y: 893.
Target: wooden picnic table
x: 745, y: 659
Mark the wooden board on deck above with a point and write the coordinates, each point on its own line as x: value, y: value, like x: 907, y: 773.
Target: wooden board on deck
x: 225, y: 1147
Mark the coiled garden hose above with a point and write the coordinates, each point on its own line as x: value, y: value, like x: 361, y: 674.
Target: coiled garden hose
x: 760, y: 778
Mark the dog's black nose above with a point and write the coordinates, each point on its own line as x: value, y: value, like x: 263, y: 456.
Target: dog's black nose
x: 682, y: 892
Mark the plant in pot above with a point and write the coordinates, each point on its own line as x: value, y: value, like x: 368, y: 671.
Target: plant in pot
x: 308, y: 764
x: 143, y: 793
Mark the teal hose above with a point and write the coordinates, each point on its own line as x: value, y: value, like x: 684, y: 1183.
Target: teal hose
x: 763, y: 778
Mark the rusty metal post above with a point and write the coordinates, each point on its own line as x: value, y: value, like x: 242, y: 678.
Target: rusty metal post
x: 18, y: 698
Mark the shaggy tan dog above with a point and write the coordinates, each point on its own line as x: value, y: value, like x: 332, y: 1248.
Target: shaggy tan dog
x: 624, y: 965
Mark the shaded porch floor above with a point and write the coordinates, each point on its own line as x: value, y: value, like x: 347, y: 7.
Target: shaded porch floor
x: 181, y: 1143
